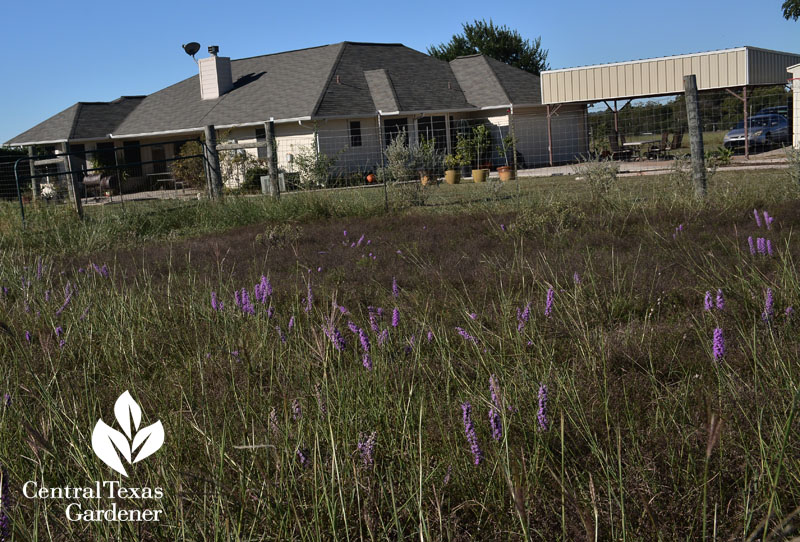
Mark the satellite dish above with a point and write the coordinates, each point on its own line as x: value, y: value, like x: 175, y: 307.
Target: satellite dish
x: 191, y: 49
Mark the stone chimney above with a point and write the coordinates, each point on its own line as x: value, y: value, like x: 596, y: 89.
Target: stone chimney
x: 215, y: 75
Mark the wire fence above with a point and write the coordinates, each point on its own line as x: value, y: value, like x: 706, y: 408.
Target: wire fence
x: 432, y: 148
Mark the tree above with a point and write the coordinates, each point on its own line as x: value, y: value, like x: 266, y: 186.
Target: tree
x: 498, y: 42
x: 791, y: 9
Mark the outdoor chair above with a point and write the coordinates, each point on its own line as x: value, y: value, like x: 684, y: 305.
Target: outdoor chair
x: 677, y: 140
x: 617, y: 152
x: 659, y: 150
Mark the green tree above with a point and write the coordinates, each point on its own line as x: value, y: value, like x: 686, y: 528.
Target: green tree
x: 498, y: 42
x: 791, y: 9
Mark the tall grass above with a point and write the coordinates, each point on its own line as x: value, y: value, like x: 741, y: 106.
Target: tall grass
x: 649, y: 437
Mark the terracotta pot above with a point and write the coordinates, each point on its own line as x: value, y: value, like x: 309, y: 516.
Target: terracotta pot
x: 506, y: 173
x: 452, y: 176
x: 480, y: 175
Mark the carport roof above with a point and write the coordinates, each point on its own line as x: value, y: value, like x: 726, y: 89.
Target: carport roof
x: 726, y: 68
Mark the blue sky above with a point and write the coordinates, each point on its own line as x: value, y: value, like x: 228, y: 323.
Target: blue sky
x: 59, y: 53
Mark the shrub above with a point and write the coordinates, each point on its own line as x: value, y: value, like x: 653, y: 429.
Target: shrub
x: 314, y: 167
x: 601, y: 175
x: 189, y: 171
x: 400, y: 159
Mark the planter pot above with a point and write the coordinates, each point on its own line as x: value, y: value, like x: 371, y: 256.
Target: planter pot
x: 506, y: 173
x: 480, y: 175
x: 452, y: 176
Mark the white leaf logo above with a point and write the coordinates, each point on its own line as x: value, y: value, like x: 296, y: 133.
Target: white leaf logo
x: 108, y: 443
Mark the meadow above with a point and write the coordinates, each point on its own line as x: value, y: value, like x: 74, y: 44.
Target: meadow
x: 541, y: 360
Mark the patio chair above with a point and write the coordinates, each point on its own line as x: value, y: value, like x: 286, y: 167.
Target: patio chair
x: 659, y: 150
x: 617, y: 152
x: 677, y: 140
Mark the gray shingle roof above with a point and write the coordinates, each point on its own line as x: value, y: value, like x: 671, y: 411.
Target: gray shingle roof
x: 380, y: 88
x: 84, y: 120
x: 341, y: 80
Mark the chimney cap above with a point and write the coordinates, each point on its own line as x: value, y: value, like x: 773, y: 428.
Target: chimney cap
x: 213, y: 49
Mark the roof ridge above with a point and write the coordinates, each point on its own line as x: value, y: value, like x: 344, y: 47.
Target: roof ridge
x: 327, y: 83
x: 496, y: 76
x: 75, y: 120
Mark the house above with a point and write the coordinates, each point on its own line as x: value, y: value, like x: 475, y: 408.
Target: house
x: 347, y: 100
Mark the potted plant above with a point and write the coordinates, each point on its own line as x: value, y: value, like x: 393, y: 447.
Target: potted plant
x: 481, y: 140
x: 451, y: 164
x: 464, y: 150
x: 428, y: 161
x: 507, y: 145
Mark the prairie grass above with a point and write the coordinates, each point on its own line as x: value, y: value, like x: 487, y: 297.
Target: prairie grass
x: 648, y: 437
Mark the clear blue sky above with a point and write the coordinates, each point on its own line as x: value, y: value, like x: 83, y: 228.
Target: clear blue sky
x: 59, y: 53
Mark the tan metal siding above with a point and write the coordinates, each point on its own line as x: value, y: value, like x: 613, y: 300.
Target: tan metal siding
x: 652, y: 77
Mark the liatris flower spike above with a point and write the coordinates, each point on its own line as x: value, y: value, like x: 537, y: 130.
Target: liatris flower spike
x: 718, y: 346
x: 769, y: 248
x: 366, y: 447
x: 395, y: 317
x: 548, y: 308
x: 720, y: 301
x: 707, y: 304
x: 769, y: 308
x: 757, y: 217
x: 541, y: 415
x: 469, y: 431
x: 761, y: 244
x: 750, y: 244
x: 496, y: 424
x: 395, y: 288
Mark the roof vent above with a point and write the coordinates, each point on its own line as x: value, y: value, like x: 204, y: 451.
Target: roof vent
x: 215, y: 75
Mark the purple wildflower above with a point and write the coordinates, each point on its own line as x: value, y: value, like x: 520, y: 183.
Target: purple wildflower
x: 217, y: 305
x: 297, y: 412
x: 262, y: 290
x: 708, y: 304
x: 245, y: 304
x: 750, y: 243
x: 576, y: 278
x: 495, y: 424
x: 366, y: 361
x: 473, y: 315
x: 334, y: 336
x: 62, y: 343
x: 494, y: 390
x: 523, y: 316
x: 382, y: 336
x: 28, y: 336
x: 757, y: 217
x: 767, y: 220
x: 469, y: 431
x: 345, y: 233
x: 463, y: 332
x: 503, y: 227
x: 291, y: 323
x: 270, y: 312
x: 360, y: 240
x: 373, y: 319
x: 541, y: 415
x: 548, y: 308
x: 47, y: 296
x: 102, y: 271
x: 769, y: 248
x: 280, y: 334
x: 718, y: 346
x: 761, y: 245
x: 789, y: 311
x: 395, y: 317
x: 720, y: 301
x: 364, y: 339
x: 309, y: 297
x: 366, y: 447
x: 430, y: 336
x: 352, y: 327
x: 59, y: 331
x: 302, y: 457
x: 769, y: 309
x: 395, y: 288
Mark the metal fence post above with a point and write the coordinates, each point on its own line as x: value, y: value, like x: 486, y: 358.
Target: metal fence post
x: 695, y: 136
x: 73, y: 183
x: 34, y: 179
x: 212, y: 157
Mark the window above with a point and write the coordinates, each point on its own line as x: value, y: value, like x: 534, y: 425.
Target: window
x: 133, y: 155
x: 261, y: 136
x: 104, y: 155
x: 392, y: 128
x: 433, y: 128
x: 355, y: 133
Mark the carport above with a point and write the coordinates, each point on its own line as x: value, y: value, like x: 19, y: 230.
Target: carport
x: 733, y: 70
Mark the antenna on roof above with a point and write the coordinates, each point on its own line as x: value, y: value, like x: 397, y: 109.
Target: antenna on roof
x: 191, y: 49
